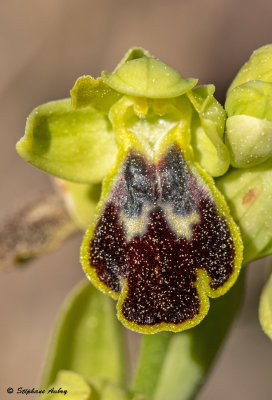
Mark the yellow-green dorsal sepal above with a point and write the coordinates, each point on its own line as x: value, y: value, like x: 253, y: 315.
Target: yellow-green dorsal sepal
x: 163, y: 240
x: 132, y: 54
x: 148, y: 77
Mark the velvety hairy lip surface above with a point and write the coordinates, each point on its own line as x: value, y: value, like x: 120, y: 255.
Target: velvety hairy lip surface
x: 159, y: 227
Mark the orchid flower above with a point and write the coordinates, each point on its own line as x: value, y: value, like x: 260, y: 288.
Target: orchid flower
x: 171, y: 208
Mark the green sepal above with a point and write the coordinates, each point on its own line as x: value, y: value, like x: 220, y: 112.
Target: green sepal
x: 248, y: 193
x: 88, y: 91
x: 81, y: 200
x: 76, y: 145
x: 88, y: 339
x: 174, y: 366
x: 147, y: 77
x: 257, y: 68
x: 208, y: 123
x: 75, y: 386
x: 265, y: 308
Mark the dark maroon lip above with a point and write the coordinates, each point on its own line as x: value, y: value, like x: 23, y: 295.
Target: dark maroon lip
x: 160, y: 268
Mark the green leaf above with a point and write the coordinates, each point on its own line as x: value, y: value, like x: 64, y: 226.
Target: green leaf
x: 147, y: 77
x: 265, y: 309
x: 76, y: 145
x: 81, y: 200
x: 88, y: 91
x: 71, y: 386
x: 248, y: 193
x: 174, y: 366
x: 208, y: 123
x: 88, y: 338
x: 259, y: 67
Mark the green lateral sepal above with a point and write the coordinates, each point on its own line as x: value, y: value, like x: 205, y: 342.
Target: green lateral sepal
x: 73, y: 144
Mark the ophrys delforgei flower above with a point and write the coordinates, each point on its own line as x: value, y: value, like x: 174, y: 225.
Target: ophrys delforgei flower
x: 162, y: 240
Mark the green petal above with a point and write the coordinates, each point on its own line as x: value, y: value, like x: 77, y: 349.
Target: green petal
x: 208, y: 123
x: 259, y: 67
x: 248, y: 193
x: 88, y: 339
x: 88, y: 91
x: 148, y: 77
x: 76, y: 145
x: 81, y: 200
x: 75, y: 386
x: 265, y: 309
x: 174, y: 366
x: 249, y: 140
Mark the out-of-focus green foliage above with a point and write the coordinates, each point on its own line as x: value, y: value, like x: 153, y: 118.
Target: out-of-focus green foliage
x: 88, y: 339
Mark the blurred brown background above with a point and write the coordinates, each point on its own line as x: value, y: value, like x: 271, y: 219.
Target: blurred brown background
x: 45, y: 46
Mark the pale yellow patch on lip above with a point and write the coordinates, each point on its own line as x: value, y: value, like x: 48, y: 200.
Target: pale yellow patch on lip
x: 181, y: 225
x: 136, y: 225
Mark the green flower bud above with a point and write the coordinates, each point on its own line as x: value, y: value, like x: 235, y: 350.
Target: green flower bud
x: 249, y: 126
x: 248, y: 106
x: 257, y: 68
